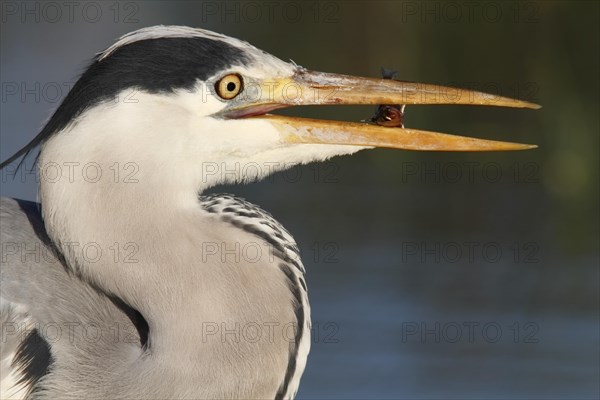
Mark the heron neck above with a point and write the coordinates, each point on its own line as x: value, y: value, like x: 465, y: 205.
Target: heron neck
x: 197, y: 309
x: 128, y: 220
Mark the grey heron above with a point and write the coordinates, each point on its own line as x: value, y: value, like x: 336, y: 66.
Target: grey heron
x: 111, y: 286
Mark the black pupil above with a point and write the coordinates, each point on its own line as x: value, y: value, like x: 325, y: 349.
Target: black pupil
x: 231, y: 86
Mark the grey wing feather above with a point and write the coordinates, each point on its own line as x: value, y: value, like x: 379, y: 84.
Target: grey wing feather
x: 41, y: 298
x: 24, y: 356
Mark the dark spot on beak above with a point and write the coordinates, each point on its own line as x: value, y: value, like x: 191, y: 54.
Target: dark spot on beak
x: 391, y: 115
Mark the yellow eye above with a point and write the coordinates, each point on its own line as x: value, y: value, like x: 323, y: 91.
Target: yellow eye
x: 229, y: 86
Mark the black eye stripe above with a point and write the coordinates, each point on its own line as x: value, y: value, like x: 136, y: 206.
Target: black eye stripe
x: 160, y: 65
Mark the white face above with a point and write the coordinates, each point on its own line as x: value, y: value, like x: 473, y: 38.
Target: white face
x: 174, y: 142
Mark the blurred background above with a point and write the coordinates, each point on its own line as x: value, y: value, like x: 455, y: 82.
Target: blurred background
x: 431, y: 275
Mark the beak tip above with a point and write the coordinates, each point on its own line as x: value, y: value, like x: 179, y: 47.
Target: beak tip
x: 526, y: 147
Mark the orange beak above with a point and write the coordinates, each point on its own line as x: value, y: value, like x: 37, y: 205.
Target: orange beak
x: 317, y: 88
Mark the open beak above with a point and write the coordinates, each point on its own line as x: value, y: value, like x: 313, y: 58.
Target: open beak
x: 317, y: 88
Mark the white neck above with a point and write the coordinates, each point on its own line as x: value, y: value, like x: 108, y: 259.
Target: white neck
x: 143, y: 215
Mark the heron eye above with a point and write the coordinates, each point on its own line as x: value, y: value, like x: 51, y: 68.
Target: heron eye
x: 229, y: 86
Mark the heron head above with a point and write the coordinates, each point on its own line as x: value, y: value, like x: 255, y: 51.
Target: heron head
x: 187, y: 109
